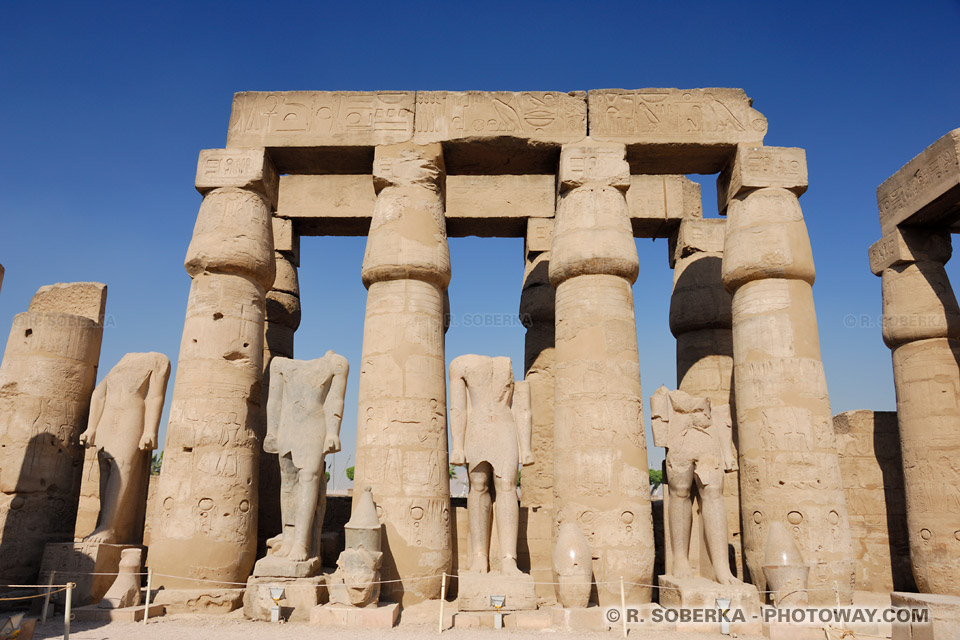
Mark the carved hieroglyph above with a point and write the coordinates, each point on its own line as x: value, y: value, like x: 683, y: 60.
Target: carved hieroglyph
x: 490, y: 431
x: 921, y: 325
x: 48, y: 374
x: 401, y: 430
x: 304, y: 411
x: 698, y: 436
x: 122, y: 429
x: 789, y: 470
x: 600, y: 459
x: 700, y: 320
x: 205, y: 524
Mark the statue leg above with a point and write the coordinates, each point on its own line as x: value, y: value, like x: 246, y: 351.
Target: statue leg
x: 478, y: 512
x: 308, y: 491
x: 110, y: 486
x: 714, y: 513
x: 288, y: 483
x: 680, y: 481
x: 508, y: 521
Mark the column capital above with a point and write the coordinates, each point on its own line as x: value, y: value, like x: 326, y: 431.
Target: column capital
x: 754, y: 167
x: 696, y: 235
x: 593, y: 162
x: 408, y: 164
x: 901, y: 246
x: 244, y: 168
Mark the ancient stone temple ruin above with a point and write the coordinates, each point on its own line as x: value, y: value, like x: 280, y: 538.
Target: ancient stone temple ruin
x: 767, y: 500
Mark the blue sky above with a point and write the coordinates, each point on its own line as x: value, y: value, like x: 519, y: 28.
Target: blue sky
x: 106, y: 106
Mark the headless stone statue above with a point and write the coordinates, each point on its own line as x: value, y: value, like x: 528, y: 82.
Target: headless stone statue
x: 304, y: 410
x: 699, y: 444
x: 124, y: 419
x: 491, y: 432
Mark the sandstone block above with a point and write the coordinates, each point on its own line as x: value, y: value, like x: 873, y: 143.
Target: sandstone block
x: 755, y: 167
x: 286, y: 239
x: 696, y: 235
x: 593, y: 162
x: 944, y: 616
x: 243, y: 168
x: 658, y: 203
x: 94, y: 613
x: 383, y: 616
x: 86, y: 299
x: 208, y: 601
x: 926, y: 190
x: 76, y: 561
x: 676, y: 130
x: 320, y: 118
x: 300, y: 596
x: 539, y: 236
x: 484, y: 205
x: 900, y: 246
x: 579, y: 619
x: 700, y: 593
x: 474, y: 591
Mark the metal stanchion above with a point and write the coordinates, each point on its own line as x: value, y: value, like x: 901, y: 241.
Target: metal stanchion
x: 46, y: 598
x: 66, y: 611
x: 146, y: 607
x: 623, y: 607
x: 443, y: 597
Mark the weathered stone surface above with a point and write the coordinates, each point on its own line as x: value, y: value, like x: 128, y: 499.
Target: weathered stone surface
x: 94, y: 613
x: 122, y: 432
x: 572, y: 566
x: 943, y: 622
x: 208, y: 601
x: 926, y: 190
x: 286, y: 239
x: 754, y: 167
x: 485, y: 205
x: 125, y: 590
x: 382, y: 616
x: 320, y: 118
x: 538, y: 116
x: 676, y: 130
x: 300, y: 596
x: 244, y: 168
x: 47, y: 376
x: 600, y: 463
x: 657, y: 204
x: 78, y: 562
x: 700, y: 593
x: 401, y: 431
x: 475, y: 589
x: 902, y: 246
x: 870, y: 465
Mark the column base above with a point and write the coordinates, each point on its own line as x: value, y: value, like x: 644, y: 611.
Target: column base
x: 943, y: 622
x: 384, y: 615
x: 300, y: 596
x: 475, y: 590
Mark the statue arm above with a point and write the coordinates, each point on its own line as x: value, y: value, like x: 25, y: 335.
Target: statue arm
x: 660, y: 416
x: 523, y: 415
x: 274, y: 403
x: 88, y: 437
x: 333, y: 407
x: 723, y: 423
x: 458, y: 414
x: 153, y: 405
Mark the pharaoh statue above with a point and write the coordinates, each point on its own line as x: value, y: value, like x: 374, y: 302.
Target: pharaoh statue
x: 124, y: 418
x: 491, y: 430
x: 699, y: 442
x: 304, y: 409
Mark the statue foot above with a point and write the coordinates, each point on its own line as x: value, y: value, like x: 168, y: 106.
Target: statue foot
x: 274, y: 543
x: 102, y: 536
x: 298, y: 553
x: 479, y: 564
x: 683, y: 570
x: 729, y: 580
x: 508, y: 567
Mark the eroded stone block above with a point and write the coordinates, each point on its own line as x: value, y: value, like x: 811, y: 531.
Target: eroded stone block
x: 300, y: 596
x: 87, y: 299
x: 382, y: 616
x: 754, y: 167
x: 901, y: 246
x: 474, y: 591
x: 215, y: 601
x: 244, y: 168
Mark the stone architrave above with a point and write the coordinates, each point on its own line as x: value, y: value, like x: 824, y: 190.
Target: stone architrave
x: 490, y: 427
x: 48, y: 374
x: 600, y: 461
x: 789, y: 468
x: 921, y: 325
x: 203, y: 534
x: 401, y: 430
x: 122, y: 430
x: 700, y: 321
x: 698, y: 436
x: 304, y: 411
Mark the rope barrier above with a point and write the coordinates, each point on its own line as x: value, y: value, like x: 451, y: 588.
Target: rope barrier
x: 36, y: 595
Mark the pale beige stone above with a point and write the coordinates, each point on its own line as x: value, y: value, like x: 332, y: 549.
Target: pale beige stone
x: 356, y: 582
x: 754, y: 167
x: 943, y: 611
x: 540, y: 116
x: 903, y: 246
x: 320, y: 118
x: 539, y: 236
x: 474, y: 591
x: 658, y: 203
x: 600, y: 462
x: 122, y: 429
x: 700, y: 593
x: 207, y: 601
x: 286, y: 239
x: 926, y: 190
x: 401, y: 430
x: 573, y: 567
x: 90, y: 565
x: 868, y: 443
x: 676, y: 130
x: 243, y: 168
x: 48, y: 373
x: 125, y: 590
x: 786, y: 575
x: 494, y: 206
x: 698, y: 436
x: 300, y: 596
x: 784, y: 421
x: 383, y: 616
x: 205, y: 525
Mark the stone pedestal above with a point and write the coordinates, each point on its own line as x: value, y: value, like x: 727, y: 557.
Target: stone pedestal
x: 300, y: 596
x: 382, y: 616
x: 943, y: 621
x: 474, y: 591
x: 700, y: 593
x: 210, y: 601
x: 75, y: 561
x: 274, y: 567
x: 93, y: 613
x: 579, y: 619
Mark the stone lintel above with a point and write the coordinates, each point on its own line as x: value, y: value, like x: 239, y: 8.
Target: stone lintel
x: 899, y: 246
x: 244, y: 168
x: 754, y: 167
x: 696, y: 235
x: 926, y: 190
x: 676, y: 130
x: 484, y: 206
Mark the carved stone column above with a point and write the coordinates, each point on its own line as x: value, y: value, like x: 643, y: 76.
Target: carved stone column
x: 600, y: 459
x: 921, y: 325
x: 789, y: 469
x: 401, y: 423
x: 700, y: 321
x: 47, y: 377
x: 205, y: 524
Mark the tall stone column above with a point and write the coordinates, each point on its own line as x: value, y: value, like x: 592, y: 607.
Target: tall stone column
x: 536, y: 480
x: 700, y: 321
x: 282, y: 320
x: 789, y: 469
x: 921, y: 325
x: 205, y: 525
x: 48, y: 374
x: 401, y: 424
x: 600, y: 459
